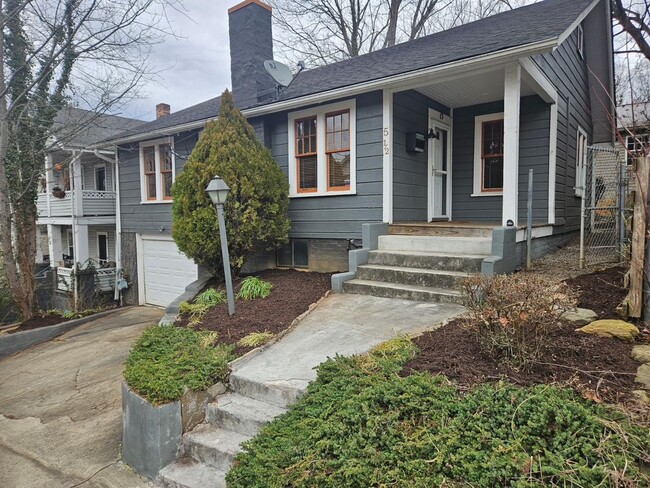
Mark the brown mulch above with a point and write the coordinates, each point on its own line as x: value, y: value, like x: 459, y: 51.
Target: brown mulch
x: 601, y: 291
x: 292, y: 294
x: 588, y: 363
x: 37, y: 322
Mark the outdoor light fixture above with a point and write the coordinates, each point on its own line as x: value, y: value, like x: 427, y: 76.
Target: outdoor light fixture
x: 218, y: 190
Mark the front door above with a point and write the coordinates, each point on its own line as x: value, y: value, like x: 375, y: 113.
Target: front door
x: 439, y: 166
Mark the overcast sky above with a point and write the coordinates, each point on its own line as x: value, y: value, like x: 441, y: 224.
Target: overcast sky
x: 196, y: 66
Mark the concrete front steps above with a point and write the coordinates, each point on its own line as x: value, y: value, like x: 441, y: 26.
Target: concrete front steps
x: 421, y: 267
x: 209, y: 450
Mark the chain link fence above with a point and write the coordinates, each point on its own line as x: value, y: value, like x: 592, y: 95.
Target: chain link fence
x: 607, y: 208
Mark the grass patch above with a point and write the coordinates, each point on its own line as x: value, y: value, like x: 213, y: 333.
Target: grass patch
x: 253, y: 287
x: 211, y: 297
x: 255, y: 339
x: 166, y: 359
x: 361, y: 424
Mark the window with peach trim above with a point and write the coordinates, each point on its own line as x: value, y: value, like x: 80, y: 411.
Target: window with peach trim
x: 337, y: 150
x: 149, y: 161
x: 492, y: 156
x: 306, y: 155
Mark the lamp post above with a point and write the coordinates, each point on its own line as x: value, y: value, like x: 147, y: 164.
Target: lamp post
x: 218, y: 192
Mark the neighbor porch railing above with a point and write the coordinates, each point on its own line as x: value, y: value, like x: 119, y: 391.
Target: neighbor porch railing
x: 93, y: 203
x: 104, y: 279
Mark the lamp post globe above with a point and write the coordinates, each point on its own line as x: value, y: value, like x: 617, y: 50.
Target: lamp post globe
x: 218, y: 190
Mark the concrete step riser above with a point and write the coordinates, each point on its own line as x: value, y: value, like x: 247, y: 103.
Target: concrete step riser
x: 280, y: 397
x: 181, y: 475
x: 439, y: 231
x: 384, y: 292
x: 442, y: 263
x: 209, y: 455
x: 448, y: 245
x: 409, y: 277
x: 233, y: 421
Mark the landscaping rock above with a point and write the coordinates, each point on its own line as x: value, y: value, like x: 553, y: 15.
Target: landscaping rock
x: 641, y: 354
x: 643, y: 375
x: 193, y: 405
x: 618, y: 329
x: 580, y: 316
x: 642, y: 396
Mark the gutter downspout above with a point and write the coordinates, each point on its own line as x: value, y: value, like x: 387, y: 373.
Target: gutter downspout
x: 118, y: 221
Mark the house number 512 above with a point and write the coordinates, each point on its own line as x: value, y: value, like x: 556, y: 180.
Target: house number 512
x: 386, y: 143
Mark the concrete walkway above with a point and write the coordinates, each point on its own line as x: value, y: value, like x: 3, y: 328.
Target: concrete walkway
x: 60, y: 407
x: 263, y: 385
x: 343, y: 324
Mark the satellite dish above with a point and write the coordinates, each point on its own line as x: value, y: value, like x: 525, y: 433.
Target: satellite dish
x: 280, y: 72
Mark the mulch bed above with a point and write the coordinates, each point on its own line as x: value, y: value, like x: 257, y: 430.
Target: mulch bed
x: 37, y: 322
x: 293, y: 292
x: 601, y: 291
x: 597, y: 367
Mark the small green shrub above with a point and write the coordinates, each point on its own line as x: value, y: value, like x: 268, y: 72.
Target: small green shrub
x: 255, y: 339
x: 512, y: 315
x: 361, y: 424
x: 195, y: 311
x: 211, y: 297
x: 254, y: 287
x: 166, y: 359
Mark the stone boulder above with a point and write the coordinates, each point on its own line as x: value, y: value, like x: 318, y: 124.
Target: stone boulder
x: 641, y: 353
x: 580, y: 316
x: 643, y: 375
x: 618, y: 329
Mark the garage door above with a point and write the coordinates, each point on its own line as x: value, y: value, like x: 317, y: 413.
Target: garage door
x: 166, y: 271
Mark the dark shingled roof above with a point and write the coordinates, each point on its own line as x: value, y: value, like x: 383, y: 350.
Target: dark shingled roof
x: 78, y: 128
x: 541, y: 21
x: 526, y: 25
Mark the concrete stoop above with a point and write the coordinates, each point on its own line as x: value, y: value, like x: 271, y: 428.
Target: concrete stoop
x: 424, y: 268
x: 210, y: 449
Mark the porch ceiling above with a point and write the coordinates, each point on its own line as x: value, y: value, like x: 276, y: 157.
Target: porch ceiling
x: 471, y: 90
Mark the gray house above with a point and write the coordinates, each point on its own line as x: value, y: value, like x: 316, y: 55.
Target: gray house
x: 429, y: 141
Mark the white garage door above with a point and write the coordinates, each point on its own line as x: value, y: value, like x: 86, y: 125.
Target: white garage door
x: 166, y: 271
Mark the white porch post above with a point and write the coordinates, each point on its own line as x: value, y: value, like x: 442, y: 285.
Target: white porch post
x: 387, y: 151
x: 55, y: 245
x: 511, y: 105
x: 49, y: 183
x: 77, y: 185
x: 81, y: 251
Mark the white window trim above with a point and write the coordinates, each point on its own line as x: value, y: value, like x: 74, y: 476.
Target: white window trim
x: 629, y: 139
x: 320, y: 112
x: 70, y: 242
x: 478, y: 167
x: 108, y: 257
x: 143, y: 190
x: 100, y: 165
x: 581, y: 41
x: 581, y: 166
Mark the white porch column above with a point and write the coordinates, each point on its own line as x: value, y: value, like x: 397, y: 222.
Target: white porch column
x: 55, y: 245
x: 81, y: 251
x: 76, y: 186
x: 387, y: 151
x: 49, y: 183
x: 511, y: 105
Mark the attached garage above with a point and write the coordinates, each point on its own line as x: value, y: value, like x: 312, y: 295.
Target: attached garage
x: 164, y: 271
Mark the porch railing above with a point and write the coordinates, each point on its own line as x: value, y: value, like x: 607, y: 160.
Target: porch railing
x: 104, y: 279
x: 93, y: 203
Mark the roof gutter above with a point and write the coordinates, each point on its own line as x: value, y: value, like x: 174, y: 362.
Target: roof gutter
x: 167, y: 131
x: 410, y: 79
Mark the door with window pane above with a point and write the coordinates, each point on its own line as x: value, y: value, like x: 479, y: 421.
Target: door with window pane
x: 439, y: 163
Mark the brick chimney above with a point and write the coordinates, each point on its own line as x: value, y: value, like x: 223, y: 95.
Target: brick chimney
x: 251, y: 43
x: 162, y: 109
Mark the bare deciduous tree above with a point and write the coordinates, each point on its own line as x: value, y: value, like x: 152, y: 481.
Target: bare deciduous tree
x: 53, y: 52
x: 633, y: 18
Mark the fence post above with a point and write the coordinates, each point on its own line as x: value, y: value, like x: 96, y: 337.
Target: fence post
x: 529, y: 230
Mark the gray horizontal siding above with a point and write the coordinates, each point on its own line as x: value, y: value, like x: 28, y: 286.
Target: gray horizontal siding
x: 533, y: 153
x: 339, y: 217
x: 147, y: 217
x: 569, y: 74
x: 410, y: 170
x: 88, y: 175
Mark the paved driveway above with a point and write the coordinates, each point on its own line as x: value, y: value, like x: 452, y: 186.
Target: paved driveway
x: 60, y: 407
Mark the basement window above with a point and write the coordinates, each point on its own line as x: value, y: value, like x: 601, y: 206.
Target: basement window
x: 294, y: 255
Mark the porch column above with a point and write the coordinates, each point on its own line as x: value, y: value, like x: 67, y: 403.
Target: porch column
x: 511, y: 105
x: 54, y: 244
x: 77, y: 186
x: 387, y: 151
x: 49, y: 183
x: 81, y: 251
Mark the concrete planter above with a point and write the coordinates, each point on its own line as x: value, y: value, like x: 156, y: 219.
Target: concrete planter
x: 151, y: 435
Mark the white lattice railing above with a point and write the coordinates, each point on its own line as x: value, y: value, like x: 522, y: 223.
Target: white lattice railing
x: 64, y: 278
x: 104, y: 279
x: 108, y: 195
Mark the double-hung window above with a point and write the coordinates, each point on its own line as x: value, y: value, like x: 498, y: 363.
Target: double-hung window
x: 488, y: 154
x: 322, y: 150
x: 157, y: 170
x: 637, y: 146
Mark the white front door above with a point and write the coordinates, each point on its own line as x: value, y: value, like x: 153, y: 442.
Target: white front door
x: 439, y: 148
